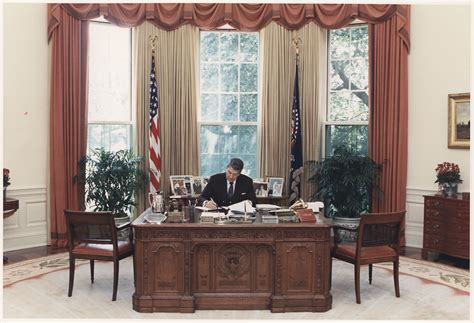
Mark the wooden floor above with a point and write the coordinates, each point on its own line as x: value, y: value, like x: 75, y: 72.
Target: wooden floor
x: 31, y: 253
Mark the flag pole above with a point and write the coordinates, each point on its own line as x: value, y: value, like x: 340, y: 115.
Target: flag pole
x: 155, y: 128
x: 296, y: 157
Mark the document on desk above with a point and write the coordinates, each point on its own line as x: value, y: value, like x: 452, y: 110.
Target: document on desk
x: 242, y: 207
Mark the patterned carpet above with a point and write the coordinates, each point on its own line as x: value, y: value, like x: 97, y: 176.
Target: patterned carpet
x: 428, y: 291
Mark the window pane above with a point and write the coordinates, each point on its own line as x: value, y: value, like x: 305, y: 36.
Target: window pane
x: 359, y: 74
x: 340, y: 43
x: 209, y: 47
x: 229, y: 107
x: 354, y: 136
x: 339, y: 75
x: 360, y: 42
x: 229, y: 42
x: 225, y: 142
x: 209, y: 107
x: 109, y: 73
x: 210, y: 77
x: 109, y: 137
x: 248, y: 47
x: 229, y: 78
x: 248, y: 77
x: 248, y: 107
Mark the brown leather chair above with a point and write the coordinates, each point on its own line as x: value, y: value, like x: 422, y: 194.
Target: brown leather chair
x: 378, y: 240
x: 93, y: 235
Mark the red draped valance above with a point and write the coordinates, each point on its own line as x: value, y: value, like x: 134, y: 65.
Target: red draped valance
x: 242, y: 16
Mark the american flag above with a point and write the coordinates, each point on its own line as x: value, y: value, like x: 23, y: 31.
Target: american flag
x: 155, y: 147
x: 296, y: 146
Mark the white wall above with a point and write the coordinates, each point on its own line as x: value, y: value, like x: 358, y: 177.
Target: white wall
x: 438, y: 65
x: 26, y: 122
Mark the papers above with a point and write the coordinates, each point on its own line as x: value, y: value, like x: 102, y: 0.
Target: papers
x: 242, y: 207
x: 267, y: 207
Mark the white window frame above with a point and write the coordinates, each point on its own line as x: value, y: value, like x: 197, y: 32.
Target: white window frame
x: 257, y: 123
x: 325, y: 123
x: 132, y: 117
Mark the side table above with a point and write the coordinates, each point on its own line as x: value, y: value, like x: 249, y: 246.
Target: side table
x: 10, y: 206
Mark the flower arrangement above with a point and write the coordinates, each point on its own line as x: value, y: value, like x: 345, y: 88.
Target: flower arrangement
x: 6, y: 177
x: 448, y: 173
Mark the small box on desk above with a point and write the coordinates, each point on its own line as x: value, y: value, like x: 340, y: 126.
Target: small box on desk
x: 306, y: 215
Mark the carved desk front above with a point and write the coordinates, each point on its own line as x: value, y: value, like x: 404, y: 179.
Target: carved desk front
x: 184, y: 267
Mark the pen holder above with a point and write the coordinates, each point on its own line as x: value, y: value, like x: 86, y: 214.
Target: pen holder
x: 189, y: 213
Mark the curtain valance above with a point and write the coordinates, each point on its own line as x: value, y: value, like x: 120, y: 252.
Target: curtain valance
x: 242, y: 16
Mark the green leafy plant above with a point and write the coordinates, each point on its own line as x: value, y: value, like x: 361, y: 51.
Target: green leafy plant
x: 112, y: 179
x: 345, y: 182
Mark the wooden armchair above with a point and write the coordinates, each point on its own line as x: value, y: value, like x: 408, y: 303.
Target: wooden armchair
x: 378, y: 240
x: 93, y: 235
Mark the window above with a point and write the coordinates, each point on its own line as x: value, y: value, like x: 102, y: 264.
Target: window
x: 110, y: 79
x: 348, y: 97
x: 228, y: 118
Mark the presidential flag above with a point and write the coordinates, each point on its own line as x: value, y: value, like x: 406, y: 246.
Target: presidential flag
x: 296, y: 147
x: 154, y: 137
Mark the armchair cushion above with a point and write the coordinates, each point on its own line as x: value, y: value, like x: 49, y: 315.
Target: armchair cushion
x: 102, y: 249
x: 349, y: 250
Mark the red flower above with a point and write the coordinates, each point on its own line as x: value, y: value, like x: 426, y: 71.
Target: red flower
x: 6, y: 177
x: 448, y: 173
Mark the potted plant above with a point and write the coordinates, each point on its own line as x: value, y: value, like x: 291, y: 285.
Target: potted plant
x: 345, y: 182
x: 111, y: 181
x: 448, y: 176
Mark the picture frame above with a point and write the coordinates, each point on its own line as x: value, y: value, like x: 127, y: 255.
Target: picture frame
x: 275, y: 186
x: 197, y: 185
x: 459, y: 122
x: 261, y: 188
x: 180, y: 184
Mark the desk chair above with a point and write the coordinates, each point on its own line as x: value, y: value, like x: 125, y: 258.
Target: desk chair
x: 93, y: 235
x: 378, y: 240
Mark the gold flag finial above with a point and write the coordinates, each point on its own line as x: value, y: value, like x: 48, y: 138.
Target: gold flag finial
x: 153, y: 40
x: 296, y: 43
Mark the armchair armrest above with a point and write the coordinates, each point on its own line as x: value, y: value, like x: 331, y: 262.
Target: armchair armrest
x: 123, y: 226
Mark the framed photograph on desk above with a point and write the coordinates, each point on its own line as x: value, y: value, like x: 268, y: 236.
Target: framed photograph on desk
x: 275, y: 186
x: 180, y: 184
x: 261, y: 188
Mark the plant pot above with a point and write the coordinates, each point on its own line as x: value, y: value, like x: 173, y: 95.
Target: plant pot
x: 352, y: 223
x: 450, y: 189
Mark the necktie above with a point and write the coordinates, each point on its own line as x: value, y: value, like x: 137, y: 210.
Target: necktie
x: 231, y: 190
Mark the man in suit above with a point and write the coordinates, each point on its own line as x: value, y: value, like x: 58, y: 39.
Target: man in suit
x: 228, y: 188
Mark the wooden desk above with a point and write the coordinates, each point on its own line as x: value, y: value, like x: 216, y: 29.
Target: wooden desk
x: 184, y: 267
x: 277, y: 200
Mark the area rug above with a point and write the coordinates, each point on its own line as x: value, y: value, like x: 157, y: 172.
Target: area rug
x: 38, y: 289
x: 432, y: 272
x: 36, y: 267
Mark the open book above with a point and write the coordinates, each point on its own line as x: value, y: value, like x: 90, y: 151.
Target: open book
x: 242, y: 207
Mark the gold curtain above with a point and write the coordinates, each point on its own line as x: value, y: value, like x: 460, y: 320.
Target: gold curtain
x: 277, y: 90
x: 176, y: 70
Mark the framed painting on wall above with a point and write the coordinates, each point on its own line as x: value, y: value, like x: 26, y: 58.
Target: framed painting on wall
x: 459, y: 121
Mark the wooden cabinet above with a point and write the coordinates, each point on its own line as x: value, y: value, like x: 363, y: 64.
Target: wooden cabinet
x: 446, y: 226
x: 184, y: 267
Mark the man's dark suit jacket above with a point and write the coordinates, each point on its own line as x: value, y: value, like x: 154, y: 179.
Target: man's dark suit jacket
x: 216, y: 189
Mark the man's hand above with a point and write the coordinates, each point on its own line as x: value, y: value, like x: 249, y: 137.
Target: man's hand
x: 210, y: 205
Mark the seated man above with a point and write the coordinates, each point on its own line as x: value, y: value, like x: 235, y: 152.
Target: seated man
x: 228, y: 188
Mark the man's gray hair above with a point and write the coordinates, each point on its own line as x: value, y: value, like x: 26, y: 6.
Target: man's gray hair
x: 236, y: 164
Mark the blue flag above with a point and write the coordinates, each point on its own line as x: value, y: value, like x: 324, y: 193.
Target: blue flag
x: 296, y: 168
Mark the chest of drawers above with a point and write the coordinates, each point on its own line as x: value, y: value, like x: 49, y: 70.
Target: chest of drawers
x: 446, y: 226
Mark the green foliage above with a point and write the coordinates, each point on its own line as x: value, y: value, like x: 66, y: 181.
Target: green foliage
x: 345, y: 181
x: 112, y: 179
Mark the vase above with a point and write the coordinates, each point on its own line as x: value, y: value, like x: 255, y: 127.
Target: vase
x: 450, y: 189
x: 4, y: 193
